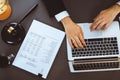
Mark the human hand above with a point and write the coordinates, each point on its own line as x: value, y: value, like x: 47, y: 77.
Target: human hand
x: 74, y: 33
x: 105, y: 18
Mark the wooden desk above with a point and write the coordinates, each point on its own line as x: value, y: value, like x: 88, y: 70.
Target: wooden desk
x: 60, y: 69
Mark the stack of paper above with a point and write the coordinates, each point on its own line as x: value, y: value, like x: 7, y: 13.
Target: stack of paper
x: 39, y: 48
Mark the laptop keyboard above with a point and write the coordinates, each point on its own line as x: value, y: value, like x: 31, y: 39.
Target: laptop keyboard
x: 97, y: 47
x: 94, y: 66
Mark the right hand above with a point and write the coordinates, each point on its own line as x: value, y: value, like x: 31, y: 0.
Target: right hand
x: 74, y: 33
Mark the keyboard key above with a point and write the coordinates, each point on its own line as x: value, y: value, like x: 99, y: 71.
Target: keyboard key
x: 93, y: 66
x: 98, y: 47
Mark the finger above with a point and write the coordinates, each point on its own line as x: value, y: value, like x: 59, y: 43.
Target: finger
x: 100, y: 25
x: 99, y: 16
x: 81, y: 34
x: 96, y: 22
x: 78, y: 42
x: 75, y: 43
x: 70, y: 42
x: 82, y: 40
x: 105, y: 26
x: 94, y: 25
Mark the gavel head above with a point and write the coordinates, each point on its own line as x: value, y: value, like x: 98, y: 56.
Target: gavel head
x: 5, y: 9
x: 13, y: 33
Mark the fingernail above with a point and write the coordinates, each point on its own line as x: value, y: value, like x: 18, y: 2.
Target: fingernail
x: 82, y: 47
x: 85, y: 44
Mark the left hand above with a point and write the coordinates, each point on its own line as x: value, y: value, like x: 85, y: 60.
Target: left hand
x: 105, y: 18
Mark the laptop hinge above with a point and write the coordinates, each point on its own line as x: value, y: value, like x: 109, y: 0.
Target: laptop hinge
x: 96, y: 60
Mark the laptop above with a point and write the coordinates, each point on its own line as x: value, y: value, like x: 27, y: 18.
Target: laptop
x: 101, y: 52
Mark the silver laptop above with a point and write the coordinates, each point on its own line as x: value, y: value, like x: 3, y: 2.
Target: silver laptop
x: 101, y: 52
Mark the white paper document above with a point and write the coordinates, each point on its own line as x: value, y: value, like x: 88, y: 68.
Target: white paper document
x: 39, y: 49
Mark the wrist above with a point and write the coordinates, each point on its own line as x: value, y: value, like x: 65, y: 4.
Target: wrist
x: 116, y: 7
x: 66, y: 21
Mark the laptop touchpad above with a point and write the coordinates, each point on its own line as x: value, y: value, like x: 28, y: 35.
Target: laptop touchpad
x: 87, y: 33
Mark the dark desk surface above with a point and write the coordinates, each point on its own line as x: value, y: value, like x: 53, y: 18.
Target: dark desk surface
x: 60, y: 69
